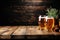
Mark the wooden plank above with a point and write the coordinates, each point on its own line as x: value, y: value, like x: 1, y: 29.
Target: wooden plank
x: 32, y: 30
x: 10, y: 30
x: 20, y: 31
x: 6, y: 34
x: 4, y: 29
x: 5, y: 37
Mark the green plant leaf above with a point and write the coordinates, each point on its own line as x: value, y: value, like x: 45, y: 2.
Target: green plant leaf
x: 52, y: 12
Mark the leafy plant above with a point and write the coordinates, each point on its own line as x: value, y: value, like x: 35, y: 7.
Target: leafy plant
x: 52, y: 12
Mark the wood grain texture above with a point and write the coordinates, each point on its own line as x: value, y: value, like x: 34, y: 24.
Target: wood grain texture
x: 24, y: 30
x: 6, y: 32
x: 20, y: 31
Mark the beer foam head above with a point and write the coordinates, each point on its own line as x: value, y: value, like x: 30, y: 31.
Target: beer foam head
x: 39, y: 17
x: 50, y: 18
x: 46, y: 18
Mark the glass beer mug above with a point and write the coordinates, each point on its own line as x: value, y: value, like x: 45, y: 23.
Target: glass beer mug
x: 50, y: 23
x: 46, y: 23
x: 42, y: 22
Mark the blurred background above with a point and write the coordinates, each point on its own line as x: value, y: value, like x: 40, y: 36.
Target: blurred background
x: 24, y: 12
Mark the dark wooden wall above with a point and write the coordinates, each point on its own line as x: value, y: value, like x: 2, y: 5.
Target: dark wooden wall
x: 22, y: 12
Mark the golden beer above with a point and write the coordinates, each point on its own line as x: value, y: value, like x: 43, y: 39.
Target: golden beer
x: 46, y: 23
x: 50, y: 23
x: 42, y: 23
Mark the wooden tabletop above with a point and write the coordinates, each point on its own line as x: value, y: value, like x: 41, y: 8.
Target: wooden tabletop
x: 23, y: 30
